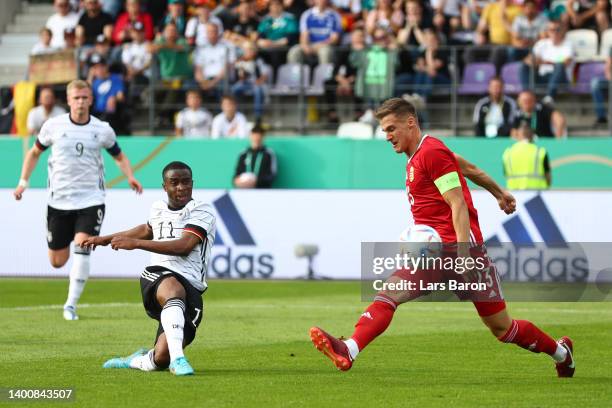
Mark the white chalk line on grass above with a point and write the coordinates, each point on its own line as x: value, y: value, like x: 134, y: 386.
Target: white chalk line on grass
x: 414, y: 307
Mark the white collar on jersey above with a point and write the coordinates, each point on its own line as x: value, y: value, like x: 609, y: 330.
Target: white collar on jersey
x: 418, y: 147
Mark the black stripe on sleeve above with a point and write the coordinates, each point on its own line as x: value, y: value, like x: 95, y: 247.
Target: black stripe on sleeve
x: 114, y: 150
x: 201, y: 232
x: 40, y: 145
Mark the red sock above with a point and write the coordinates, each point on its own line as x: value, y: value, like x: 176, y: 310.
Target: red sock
x: 374, y: 321
x: 525, y: 334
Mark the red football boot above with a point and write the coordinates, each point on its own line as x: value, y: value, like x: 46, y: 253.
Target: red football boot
x: 335, y: 349
x: 566, y: 368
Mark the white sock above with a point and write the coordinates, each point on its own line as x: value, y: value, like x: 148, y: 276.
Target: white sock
x: 78, y: 278
x: 173, y: 321
x: 353, y: 348
x: 144, y: 362
x: 560, y: 354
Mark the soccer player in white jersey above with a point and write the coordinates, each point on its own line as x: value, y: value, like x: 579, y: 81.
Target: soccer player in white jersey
x: 180, y: 234
x: 76, y: 183
x: 193, y: 121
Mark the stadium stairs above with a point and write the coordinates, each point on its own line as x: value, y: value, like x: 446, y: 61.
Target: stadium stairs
x: 18, y: 38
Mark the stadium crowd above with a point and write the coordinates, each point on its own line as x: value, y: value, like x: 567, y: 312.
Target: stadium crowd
x: 371, y: 49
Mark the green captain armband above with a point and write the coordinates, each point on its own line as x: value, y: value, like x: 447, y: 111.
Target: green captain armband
x: 447, y: 182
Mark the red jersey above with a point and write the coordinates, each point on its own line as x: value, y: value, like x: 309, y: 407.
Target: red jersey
x: 431, y: 171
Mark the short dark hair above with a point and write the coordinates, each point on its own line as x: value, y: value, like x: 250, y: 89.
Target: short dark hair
x: 175, y: 165
x: 258, y: 129
x: 228, y: 98
x: 395, y: 106
x: 496, y: 78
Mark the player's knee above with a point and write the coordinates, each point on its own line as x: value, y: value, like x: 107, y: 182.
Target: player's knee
x: 498, y: 329
x: 170, y: 288
x: 58, y: 261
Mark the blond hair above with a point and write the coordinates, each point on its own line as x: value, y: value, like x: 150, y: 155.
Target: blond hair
x: 77, y: 84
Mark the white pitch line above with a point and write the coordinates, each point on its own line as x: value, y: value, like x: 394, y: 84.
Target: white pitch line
x: 457, y: 308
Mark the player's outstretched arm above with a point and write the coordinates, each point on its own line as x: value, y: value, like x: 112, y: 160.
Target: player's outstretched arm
x: 177, y: 247
x: 29, y: 164
x: 506, y: 201
x: 142, y: 231
x: 126, y: 168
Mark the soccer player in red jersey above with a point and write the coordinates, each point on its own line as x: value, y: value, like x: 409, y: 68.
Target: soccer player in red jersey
x: 439, y: 197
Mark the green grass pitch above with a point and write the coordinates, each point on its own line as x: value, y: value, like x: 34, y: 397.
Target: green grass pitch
x: 253, y: 349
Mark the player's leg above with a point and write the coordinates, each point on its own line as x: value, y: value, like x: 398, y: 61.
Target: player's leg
x: 88, y: 222
x: 60, y: 232
x: 525, y: 334
x: 372, y: 323
x: 171, y: 296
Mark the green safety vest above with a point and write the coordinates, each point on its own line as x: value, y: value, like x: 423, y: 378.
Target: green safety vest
x: 524, y: 166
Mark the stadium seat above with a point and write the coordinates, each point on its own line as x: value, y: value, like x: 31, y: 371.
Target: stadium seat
x: 586, y: 72
x: 476, y: 78
x: 605, y: 44
x: 585, y: 44
x: 322, y: 73
x: 288, y: 79
x: 355, y: 130
x: 511, y: 78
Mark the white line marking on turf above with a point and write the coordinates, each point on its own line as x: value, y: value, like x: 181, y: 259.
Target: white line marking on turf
x: 457, y: 308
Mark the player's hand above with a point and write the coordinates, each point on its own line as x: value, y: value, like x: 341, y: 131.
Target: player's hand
x: 507, y: 202
x: 18, y: 193
x: 463, y: 251
x: 135, y: 185
x: 123, y: 243
x: 92, y: 242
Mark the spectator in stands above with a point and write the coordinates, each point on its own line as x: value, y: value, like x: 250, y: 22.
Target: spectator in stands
x: 63, y: 19
x: 252, y: 76
x: 449, y: 12
x: 43, y: 46
x: 92, y: 23
x: 197, y: 31
x: 175, y: 70
x: 193, y: 121
x: 543, y: 120
x: 173, y: 55
x: 376, y: 67
x: 320, y: 30
x: 551, y: 56
x: 431, y: 69
x: 496, y: 21
x: 70, y: 38
x: 108, y: 93
x: 213, y: 63
x: 384, y: 16
x: 342, y: 82
x: 256, y: 167
x: 244, y: 27
x: 590, y: 14
x: 526, y: 165
x: 102, y: 48
x: 413, y: 32
x: 132, y: 14
x: 598, y: 89
x: 176, y: 15
x: 494, y: 114
x: 45, y: 110
x: 277, y: 31
x: 136, y: 58
x: 225, y: 11
x: 526, y: 30
x: 229, y: 123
